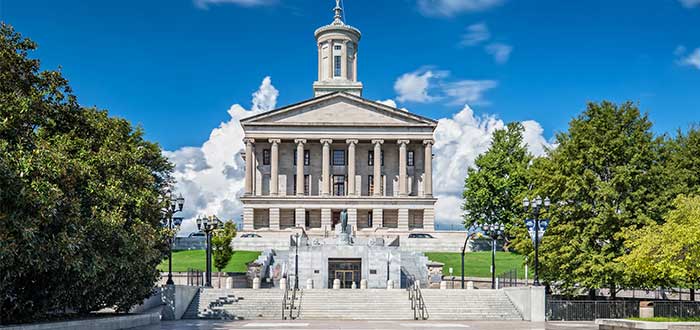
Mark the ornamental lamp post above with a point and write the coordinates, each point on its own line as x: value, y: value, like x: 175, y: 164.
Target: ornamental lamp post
x: 536, y: 227
x: 208, y: 225
x: 168, y: 220
x: 296, y: 261
x: 494, y: 231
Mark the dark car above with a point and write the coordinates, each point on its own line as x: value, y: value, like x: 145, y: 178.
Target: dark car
x: 252, y: 235
x: 420, y: 236
x: 197, y: 234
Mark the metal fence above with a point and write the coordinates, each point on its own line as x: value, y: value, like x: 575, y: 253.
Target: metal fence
x: 195, y: 277
x: 588, y: 310
x: 682, y: 309
x: 508, y: 279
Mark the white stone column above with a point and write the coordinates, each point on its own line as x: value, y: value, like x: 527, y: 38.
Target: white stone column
x: 326, y: 167
x: 249, y: 165
x: 403, y: 180
x: 351, y: 166
x: 300, y: 166
x: 377, y: 218
x: 274, y: 167
x: 248, y: 221
x: 428, y: 176
x: 275, y: 218
x: 326, y: 219
x: 300, y: 216
x: 352, y: 218
x: 377, y: 167
x: 429, y: 219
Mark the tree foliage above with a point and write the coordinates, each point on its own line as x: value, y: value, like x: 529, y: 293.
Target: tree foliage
x: 79, y: 197
x: 604, y: 178
x: 667, y: 254
x: 493, y: 188
x: 221, y: 243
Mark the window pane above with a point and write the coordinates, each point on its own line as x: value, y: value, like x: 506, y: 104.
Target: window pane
x: 266, y: 157
x: 409, y: 159
x: 336, y: 71
x: 338, y: 157
x: 370, y: 158
x: 370, y: 184
x: 339, y: 185
x: 307, y: 158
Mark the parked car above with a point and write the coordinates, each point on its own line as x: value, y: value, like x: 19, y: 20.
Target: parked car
x: 251, y: 235
x: 420, y: 235
x: 196, y: 234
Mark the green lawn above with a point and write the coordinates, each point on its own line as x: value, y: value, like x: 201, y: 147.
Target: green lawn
x: 478, y: 264
x: 196, y: 259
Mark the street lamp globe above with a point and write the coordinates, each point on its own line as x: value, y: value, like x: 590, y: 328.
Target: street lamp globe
x: 547, y: 202
x: 526, y: 203
x: 180, y: 202
x: 538, y: 201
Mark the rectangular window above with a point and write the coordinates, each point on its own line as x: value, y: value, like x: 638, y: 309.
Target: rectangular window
x: 336, y: 66
x: 307, y: 158
x: 369, y: 219
x: 370, y: 158
x: 308, y: 219
x: 266, y: 156
x: 382, y: 155
x: 338, y: 157
x: 339, y: 185
x: 370, y: 184
x: 306, y: 185
x: 410, y: 158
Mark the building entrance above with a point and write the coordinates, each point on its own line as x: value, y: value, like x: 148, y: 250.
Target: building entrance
x: 348, y: 271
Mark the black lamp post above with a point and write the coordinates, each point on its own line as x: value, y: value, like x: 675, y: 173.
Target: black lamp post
x: 208, y: 225
x: 535, y: 207
x: 470, y: 233
x: 175, y: 206
x: 494, y: 231
x: 296, y: 261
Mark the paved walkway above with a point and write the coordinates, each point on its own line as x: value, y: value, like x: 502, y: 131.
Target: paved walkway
x: 384, y: 325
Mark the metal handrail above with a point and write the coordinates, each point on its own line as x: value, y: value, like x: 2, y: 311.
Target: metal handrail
x: 284, y: 302
x: 415, y: 295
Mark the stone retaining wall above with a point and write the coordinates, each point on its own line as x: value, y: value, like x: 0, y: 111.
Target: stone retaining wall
x: 104, y: 323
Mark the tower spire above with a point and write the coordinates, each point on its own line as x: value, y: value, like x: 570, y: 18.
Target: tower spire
x: 338, y: 19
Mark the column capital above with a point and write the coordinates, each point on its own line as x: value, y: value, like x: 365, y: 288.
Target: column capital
x: 352, y: 141
x: 377, y: 141
x: 275, y: 141
x: 326, y: 141
x: 430, y: 142
x: 298, y: 141
x: 403, y: 142
x: 248, y: 140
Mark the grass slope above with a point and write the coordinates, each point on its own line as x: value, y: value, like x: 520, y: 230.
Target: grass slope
x: 478, y: 264
x: 196, y: 259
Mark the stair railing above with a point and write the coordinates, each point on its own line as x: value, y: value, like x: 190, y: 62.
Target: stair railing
x: 415, y: 295
x: 284, y: 302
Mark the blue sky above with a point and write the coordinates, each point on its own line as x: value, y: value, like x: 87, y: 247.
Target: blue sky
x: 185, y: 70
x: 172, y: 66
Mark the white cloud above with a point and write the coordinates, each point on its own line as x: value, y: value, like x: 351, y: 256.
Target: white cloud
x: 204, y: 4
x: 430, y: 86
x: 476, y: 34
x: 391, y: 103
x: 211, y: 177
x: 458, y: 141
x: 690, y: 3
x: 691, y: 59
x: 448, y: 8
x: 413, y: 86
x: 468, y: 91
x: 500, y: 52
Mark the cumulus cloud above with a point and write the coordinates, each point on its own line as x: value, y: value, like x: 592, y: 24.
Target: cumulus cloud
x: 500, y: 52
x: 690, y: 3
x: 204, y: 4
x: 458, y: 141
x: 476, y: 34
x: 425, y: 86
x: 688, y: 59
x: 211, y: 177
x: 449, y: 8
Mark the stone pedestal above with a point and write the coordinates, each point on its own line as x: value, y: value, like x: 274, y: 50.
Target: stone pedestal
x: 353, y: 286
x: 470, y: 285
x: 363, y: 284
x: 229, y: 282
x: 168, y: 311
x: 283, y: 283
x: 309, y: 284
x: 256, y: 283
x: 336, y: 284
x: 389, y: 284
x: 443, y: 285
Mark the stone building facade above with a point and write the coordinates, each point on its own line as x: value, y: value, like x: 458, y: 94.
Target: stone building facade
x: 307, y: 162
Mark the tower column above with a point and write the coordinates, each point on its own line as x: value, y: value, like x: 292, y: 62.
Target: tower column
x: 274, y: 167
x: 248, y: 165
x: 351, y: 166
x: 377, y: 167
x: 326, y: 166
x: 300, y: 166
x: 403, y: 191
x: 428, y: 180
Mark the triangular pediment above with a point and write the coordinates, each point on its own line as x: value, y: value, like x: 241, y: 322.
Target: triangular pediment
x: 338, y: 109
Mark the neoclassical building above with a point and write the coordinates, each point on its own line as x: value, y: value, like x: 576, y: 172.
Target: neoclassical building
x: 308, y: 161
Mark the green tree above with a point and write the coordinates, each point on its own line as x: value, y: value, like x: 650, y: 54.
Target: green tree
x: 79, y: 197
x: 494, y: 186
x: 667, y: 254
x: 221, y: 243
x: 604, y: 178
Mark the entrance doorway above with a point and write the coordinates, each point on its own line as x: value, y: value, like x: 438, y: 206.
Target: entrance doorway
x: 348, y: 271
x: 335, y: 218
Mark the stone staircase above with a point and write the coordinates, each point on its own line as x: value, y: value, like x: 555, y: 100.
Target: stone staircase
x: 469, y: 305
x: 370, y: 304
x: 230, y: 304
x: 414, y: 264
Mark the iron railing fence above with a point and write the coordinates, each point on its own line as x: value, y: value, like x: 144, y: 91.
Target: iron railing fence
x: 683, y: 309
x: 589, y: 310
x: 508, y: 279
x: 195, y: 277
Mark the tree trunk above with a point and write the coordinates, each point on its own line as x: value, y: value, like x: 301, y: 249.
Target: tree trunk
x: 613, y: 291
x: 692, y: 292
x: 219, y: 279
x: 591, y: 294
